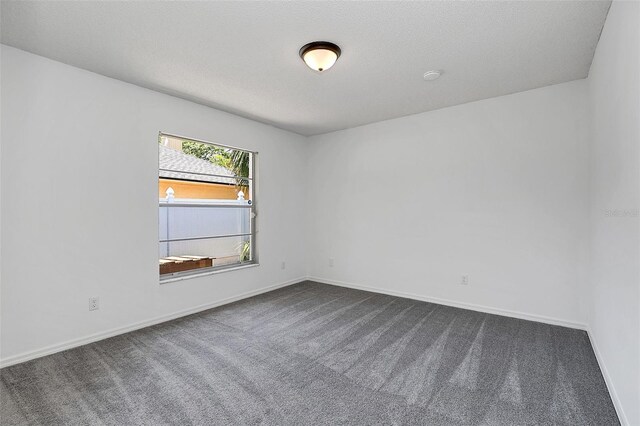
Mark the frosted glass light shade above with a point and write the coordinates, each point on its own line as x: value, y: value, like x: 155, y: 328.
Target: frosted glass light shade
x: 320, y: 55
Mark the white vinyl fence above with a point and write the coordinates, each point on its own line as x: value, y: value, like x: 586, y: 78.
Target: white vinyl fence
x: 209, y: 228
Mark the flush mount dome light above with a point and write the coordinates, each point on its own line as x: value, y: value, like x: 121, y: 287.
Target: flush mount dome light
x: 320, y: 55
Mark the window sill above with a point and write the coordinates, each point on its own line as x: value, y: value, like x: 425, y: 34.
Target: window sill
x: 214, y: 271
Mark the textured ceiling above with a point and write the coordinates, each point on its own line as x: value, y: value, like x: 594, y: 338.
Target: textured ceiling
x: 242, y: 57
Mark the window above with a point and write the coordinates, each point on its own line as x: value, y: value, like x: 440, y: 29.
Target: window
x: 206, y: 207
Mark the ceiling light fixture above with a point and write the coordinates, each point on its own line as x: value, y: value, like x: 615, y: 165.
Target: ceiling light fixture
x: 320, y: 55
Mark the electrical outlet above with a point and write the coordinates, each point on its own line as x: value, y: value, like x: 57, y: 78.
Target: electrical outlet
x: 283, y: 265
x: 331, y: 262
x: 464, y: 280
x: 94, y: 303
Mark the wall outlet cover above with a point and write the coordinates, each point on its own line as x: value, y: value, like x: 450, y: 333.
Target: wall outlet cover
x: 94, y: 303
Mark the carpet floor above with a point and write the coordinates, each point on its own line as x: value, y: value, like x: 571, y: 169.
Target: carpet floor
x: 314, y: 354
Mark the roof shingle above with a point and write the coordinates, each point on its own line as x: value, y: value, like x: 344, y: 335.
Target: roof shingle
x: 176, y: 164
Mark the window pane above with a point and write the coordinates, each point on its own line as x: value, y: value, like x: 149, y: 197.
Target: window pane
x: 179, y: 256
x: 205, y: 205
x: 192, y: 221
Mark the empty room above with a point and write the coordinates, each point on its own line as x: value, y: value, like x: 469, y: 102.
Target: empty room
x: 320, y: 212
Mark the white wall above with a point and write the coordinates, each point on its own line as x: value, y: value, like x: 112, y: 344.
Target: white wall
x: 614, y: 315
x: 512, y: 191
x: 68, y: 134
x: 496, y: 189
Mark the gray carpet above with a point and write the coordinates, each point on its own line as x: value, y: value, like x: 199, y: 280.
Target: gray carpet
x: 313, y: 354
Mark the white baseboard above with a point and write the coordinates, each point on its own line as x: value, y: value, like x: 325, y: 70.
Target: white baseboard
x: 456, y: 304
x: 59, y: 347
x: 607, y: 379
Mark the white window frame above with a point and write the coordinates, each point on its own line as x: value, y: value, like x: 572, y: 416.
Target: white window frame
x: 253, y: 262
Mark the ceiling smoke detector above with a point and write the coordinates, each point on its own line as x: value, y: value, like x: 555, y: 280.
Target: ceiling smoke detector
x: 432, y: 75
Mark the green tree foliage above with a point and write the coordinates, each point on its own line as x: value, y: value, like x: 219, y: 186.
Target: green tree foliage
x: 239, y: 161
x: 234, y: 160
x: 245, y: 251
x: 216, y: 155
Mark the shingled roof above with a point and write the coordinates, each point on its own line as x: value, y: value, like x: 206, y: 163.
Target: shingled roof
x: 176, y: 164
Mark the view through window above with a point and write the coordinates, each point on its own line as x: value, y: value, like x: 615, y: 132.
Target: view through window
x: 206, y: 206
